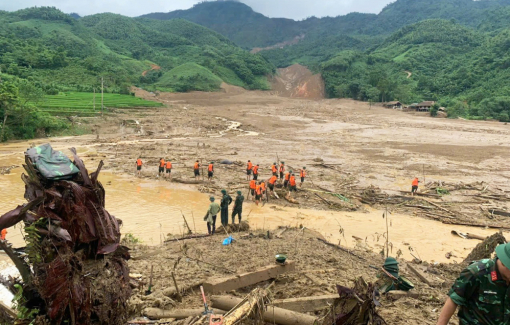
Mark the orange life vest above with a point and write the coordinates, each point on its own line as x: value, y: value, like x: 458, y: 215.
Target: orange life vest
x: 302, y: 173
x: 274, y: 169
x: 197, y: 165
x: 211, y: 167
x: 3, y: 234
x: 263, y: 186
x: 273, y: 180
x: 253, y: 184
x: 415, y: 182
x: 258, y: 190
x: 282, y: 168
x: 287, y: 176
x: 250, y: 166
x: 138, y: 162
x: 162, y: 163
x: 168, y: 165
x: 292, y: 181
x: 255, y: 170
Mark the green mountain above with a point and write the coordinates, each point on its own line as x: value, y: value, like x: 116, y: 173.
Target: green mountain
x: 59, y: 52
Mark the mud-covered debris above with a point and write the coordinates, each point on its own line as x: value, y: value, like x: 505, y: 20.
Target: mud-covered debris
x: 485, y: 248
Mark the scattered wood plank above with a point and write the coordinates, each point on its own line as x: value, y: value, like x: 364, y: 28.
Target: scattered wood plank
x: 420, y: 275
x: 459, y: 223
x: 281, y: 231
x: 185, y: 238
x: 397, y: 294
x: 306, y: 304
x: 418, y: 206
x: 341, y: 248
x: 8, y: 311
x: 499, y: 212
x: 272, y: 315
x: 157, y: 313
x: 467, y: 235
x: 422, y: 194
x: 216, y: 285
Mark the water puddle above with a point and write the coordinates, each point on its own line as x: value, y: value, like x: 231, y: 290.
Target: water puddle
x: 151, y: 209
x: 233, y: 126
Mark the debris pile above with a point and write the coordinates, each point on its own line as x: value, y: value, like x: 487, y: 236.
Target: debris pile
x: 73, y: 268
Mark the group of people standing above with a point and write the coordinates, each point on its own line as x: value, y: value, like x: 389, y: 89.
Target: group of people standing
x: 215, y: 208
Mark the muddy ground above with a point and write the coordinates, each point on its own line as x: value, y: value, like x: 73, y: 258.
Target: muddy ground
x: 358, y: 158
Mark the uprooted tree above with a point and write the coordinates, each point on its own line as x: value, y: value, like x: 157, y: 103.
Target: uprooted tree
x: 73, y: 269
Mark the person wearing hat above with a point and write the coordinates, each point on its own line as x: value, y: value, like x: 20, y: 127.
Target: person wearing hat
x: 388, y: 275
x: 226, y: 200
x: 282, y: 169
x: 302, y: 174
x: 210, y: 171
x: 482, y: 291
x: 238, y: 207
x: 211, y: 215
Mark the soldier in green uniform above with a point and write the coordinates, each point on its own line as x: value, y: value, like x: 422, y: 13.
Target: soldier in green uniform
x: 238, y: 207
x: 482, y: 291
x: 225, y: 202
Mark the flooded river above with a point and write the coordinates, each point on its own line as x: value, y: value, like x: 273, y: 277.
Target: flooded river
x: 151, y: 209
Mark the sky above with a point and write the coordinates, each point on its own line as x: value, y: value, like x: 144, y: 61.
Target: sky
x: 295, y: 9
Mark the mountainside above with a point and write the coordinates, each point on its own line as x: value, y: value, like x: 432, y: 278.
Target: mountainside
x: 59, y: 52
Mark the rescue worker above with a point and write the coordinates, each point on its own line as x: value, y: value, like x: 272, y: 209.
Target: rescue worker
x: 139, y: 164
x: 481, y: 291
x: 258, y: 194
x: 196, y: 169
x: 302, y: 174
x: 210, y: 171
x: 249, y: 169
x: 414, y: 187
x: 238, y: 207
x: 253, y: 187
x: 3, y: 234
x: 169, y: 168
x: 263, y: 187
x: 287, y: 178
x: 225, y: 202
x: 274, y: 169
x: 272, y: 182
x: 211, y: 215
x: 161, y: 166
x: 282, y: 169
x: 292, y: 183
x: 256, y: 172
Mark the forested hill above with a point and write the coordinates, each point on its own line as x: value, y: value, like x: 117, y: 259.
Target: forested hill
x: 249, y: 29
x: 58, y: 52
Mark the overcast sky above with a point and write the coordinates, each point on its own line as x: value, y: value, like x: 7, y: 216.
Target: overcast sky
x: 296, y: 9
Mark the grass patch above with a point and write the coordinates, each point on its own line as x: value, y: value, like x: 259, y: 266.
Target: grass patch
x: 189, y: 77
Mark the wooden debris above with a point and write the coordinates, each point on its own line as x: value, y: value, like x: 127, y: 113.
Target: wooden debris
x: 306, y: 304
x: 397, y: 294
x: 341, y: 248
x: 420, y: 275
x: 157, y: 313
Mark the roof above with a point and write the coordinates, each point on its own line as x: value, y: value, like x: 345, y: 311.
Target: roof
x: 428, y: 103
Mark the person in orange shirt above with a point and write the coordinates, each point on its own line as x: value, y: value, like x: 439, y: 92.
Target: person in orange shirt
x: 282, y: 169
x: 263, y: 187
x: 210, y: 171
x: 287, y: 178
x: 253, y: 187
x: 256, y: 172
x: 292, y: 183
x: 169, y: 168
x: 196, y: 169
x: 249, y: 169
x: 258, y: 193
x: 139, y: 164
x: 414, y: 187
x: 274, y: 169
x: 3, y: 233
x: 161, y: 166
x: 271, y: 182
x: 302, y: 174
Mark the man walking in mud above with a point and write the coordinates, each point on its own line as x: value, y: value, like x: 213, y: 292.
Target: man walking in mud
x: 258, y: 193
x: 302, y: 174
x: 238, y: 207
x: 287, y: 178
x: 292, y: 184
x: 414, y: 186
x: 249, y: 169
x: 169, y: 169
x: 481, y: 292
x: 271, y: 183
x: 211, y: 215
x: 161, y: 167
x: 256, y: 172
x: 196, y: 169
x: 225, y: 202
x: 274, y: 170
x: 139, y: 164
x: 253, y: 187
x: 210, y: 171
x: 282, y: 169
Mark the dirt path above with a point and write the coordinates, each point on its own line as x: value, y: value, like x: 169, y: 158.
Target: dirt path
x: 409, y: 74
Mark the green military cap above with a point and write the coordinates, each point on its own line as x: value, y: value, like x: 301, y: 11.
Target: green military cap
x: 239, y: 192
x: 391, y: 266
x: 224, y: 191
x: 503, y: 253
x: 211, y: 199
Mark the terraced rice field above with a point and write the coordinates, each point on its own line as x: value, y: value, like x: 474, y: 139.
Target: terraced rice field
x: 75, y: 103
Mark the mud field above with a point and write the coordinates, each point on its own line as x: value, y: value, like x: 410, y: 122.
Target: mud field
x: 360, y: 162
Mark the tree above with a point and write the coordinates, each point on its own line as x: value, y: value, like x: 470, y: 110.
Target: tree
x: 8, y: 101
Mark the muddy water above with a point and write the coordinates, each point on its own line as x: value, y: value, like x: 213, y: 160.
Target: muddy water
x: 151, y: 209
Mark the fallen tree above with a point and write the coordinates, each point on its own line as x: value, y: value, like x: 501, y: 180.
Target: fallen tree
x: 74, y: 271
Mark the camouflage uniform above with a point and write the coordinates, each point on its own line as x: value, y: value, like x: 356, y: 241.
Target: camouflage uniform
x: 482, y: 295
